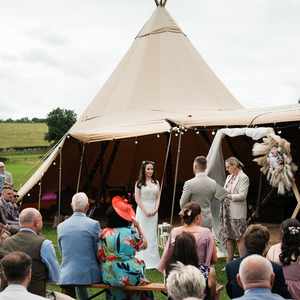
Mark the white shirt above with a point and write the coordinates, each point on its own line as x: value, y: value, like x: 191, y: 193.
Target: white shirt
x: 18, y: 292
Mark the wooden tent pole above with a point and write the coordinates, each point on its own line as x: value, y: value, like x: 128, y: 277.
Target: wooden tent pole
x: 59, y: 183
x: 175, y: 179
x: 40, y: 195
x: 297, y: 195
x: 80, y: 167
x: 165, y: 163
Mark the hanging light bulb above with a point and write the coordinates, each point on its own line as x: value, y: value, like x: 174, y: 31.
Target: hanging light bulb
x: 197, y: 132
x: 158, y: 135
x: 28, y: 195
x: 54, y: 163
x: 279, y: 131
x: 213, y: 132
x: 136, y: 142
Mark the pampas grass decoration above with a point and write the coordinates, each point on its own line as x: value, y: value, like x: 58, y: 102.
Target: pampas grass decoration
x: 282, y: 176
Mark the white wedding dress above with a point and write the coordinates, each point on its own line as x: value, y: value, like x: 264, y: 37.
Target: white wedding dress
x: 148, y: 195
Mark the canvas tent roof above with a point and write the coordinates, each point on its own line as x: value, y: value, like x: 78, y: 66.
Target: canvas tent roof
x: 162, y: 78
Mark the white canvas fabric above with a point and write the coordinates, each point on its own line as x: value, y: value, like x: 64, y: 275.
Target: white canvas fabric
x: 162, y: 77
x: 215, y: 161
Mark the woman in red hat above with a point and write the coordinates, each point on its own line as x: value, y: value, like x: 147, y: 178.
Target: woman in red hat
x: 147, y: 197
x: 119, y: 242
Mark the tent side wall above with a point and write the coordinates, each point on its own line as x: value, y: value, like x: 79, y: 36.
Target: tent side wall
x: 109, y: 165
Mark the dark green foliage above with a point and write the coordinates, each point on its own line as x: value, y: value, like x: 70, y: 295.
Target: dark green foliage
x: 59, y: 121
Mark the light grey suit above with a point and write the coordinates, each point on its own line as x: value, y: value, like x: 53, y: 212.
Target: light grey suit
x: 201, y: 189
x: 239, y: 191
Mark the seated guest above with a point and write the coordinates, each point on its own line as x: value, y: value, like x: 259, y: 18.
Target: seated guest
x: 205, y: 244
x: 28, y: 239
x: 287, y: 253
x: 6, y: 207
x: 15, y: 209
x: 185, y: 251
x: 78, y: 238
x: 119, y: 242
x: 7, y: 175
x: 185, y: 281
x: 256, y: 277
x: 255, y: 241
x: 17, y: 271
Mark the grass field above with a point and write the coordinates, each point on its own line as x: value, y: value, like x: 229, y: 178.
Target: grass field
x: 22, y: 135
x: 22, y: 165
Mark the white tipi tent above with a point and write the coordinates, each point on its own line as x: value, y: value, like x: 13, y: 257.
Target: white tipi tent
x: 161, y: 82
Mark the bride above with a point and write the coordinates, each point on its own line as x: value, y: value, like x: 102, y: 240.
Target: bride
x: 147, y: 197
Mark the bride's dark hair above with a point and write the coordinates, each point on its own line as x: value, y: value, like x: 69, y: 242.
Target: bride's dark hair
x: 142, y: 177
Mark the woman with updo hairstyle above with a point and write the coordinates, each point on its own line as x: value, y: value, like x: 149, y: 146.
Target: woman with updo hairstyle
x: 234, y: 207
x: 205, y: 244
x: 287, y: 253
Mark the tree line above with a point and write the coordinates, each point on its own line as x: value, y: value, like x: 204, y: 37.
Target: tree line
x: 59, y: 121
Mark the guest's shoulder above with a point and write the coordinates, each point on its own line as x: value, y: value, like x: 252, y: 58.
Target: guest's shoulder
x: 176, y: 230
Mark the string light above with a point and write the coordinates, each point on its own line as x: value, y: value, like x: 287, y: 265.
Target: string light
x: 28, y: 195
x: 136, y: 142
x: 279, y: 131
x: 213, y: 132
x: 158, y: 135
x: 54, y: 163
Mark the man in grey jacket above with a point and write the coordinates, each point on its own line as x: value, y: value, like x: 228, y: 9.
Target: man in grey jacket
x: 202, y: 189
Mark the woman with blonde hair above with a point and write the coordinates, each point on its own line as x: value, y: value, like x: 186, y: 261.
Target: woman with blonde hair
x: 234, y: 208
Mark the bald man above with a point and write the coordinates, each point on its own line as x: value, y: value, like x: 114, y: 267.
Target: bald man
x: 29, y: 240
x: 256, y: 277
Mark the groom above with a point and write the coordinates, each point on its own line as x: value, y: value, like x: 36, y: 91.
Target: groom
x: 202, y: 189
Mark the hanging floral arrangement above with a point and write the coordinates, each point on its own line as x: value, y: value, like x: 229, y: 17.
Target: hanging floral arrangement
x: 274, y: 157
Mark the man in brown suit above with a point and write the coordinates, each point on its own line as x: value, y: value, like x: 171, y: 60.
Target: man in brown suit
x: 28, y: 239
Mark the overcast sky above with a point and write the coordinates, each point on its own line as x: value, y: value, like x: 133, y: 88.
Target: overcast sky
x: 60, y: 52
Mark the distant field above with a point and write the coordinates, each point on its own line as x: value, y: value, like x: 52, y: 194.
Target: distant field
x: 22, y: 135
x: 21, y: 165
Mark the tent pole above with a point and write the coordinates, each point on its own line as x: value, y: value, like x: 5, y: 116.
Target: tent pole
x: 165, y: 163
x: 59, y: 183
x: 80, y: 167
x: 40, y: 195
x: 175, y: 179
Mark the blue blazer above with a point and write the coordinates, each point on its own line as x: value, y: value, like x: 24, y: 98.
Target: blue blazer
x: 78, y: 242
x: 234, y: 290
x: 259, y: 294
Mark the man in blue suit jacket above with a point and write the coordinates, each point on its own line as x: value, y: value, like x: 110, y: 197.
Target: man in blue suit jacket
x: 78, y: 239
x: 256, y: 239
x: 256, y: 277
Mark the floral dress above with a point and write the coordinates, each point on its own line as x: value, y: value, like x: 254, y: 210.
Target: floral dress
x: 117, y: 251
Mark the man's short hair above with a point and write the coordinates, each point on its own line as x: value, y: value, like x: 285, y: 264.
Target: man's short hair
x: 256, y: 238
x: 28, y: 216
x: 185, y: 281
x: 255, y: 269
x: 201, y: 162
x: 16, y: 266
x: 80, y: 201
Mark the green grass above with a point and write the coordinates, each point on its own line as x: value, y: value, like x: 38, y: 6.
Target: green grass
x: 22, y: 135
x: 21, y: 165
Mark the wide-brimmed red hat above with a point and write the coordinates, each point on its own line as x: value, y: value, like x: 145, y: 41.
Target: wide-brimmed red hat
x: 123, y: 208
